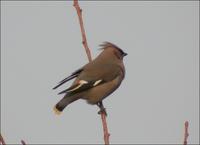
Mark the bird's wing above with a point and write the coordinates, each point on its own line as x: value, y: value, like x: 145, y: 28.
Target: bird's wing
x: 90, y: 77
x: 73, y: 75
x: 81, y: 85
x: 100, y: 71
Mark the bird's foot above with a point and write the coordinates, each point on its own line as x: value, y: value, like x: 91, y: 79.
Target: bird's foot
x: 102, y: 109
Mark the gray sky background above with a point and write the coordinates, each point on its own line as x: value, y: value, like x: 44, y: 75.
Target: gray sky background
x: 41, y: 44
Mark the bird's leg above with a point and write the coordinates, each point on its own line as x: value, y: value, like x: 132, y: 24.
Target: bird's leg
x: 101, y: 107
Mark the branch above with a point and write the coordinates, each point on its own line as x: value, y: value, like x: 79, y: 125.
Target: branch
x: 186, y: 134
x: 23, y: 142
x: 2, y: 140
x: 105, y: 128
x: 84, y: 41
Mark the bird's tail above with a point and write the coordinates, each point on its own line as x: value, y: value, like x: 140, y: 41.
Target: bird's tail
x: 60, y: 106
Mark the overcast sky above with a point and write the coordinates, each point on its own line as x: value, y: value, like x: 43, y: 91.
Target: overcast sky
x: 41, y: 44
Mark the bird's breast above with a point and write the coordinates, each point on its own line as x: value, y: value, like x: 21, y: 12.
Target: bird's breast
x: 99, y: 92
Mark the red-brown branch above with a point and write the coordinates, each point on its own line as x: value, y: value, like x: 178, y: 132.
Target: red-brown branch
x: 105, y: 128
x: 84, y: 41
x: 2, y: 140
x: 186, y: 134
x: 4, y: 143
x: 23, y: 142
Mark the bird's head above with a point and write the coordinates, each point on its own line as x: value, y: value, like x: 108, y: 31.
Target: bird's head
x: 118, y: 52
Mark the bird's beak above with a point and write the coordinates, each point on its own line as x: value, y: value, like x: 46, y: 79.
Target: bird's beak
x: 125, y: 54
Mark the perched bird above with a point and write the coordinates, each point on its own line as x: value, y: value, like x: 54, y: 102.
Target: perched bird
x: 96, y: 80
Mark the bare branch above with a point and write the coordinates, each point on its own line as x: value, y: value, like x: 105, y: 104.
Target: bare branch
x: 23, y: 142
x: 186, y: 134
x: 105, y: 128
x: 2, y: 140
x: 84, y: 41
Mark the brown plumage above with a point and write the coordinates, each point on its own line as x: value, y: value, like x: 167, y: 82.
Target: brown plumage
x: 96, y: 80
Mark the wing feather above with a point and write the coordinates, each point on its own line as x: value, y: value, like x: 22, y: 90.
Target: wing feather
x: 73, y: 75
x: 82, y: 85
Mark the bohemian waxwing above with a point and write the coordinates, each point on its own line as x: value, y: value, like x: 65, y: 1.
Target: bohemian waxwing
x: 96, y: 80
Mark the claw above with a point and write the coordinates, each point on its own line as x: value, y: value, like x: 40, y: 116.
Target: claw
x: 102, y: 109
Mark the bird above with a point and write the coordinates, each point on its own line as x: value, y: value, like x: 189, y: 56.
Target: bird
x: 96, y: 80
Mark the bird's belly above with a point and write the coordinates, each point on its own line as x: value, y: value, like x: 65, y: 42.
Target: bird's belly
x: 98, y: 93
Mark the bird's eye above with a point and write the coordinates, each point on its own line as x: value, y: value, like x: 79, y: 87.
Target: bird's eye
x: 125, y: 54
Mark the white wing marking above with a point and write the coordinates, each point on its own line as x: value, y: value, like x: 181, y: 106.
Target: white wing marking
x: 81, y: 82
x: 97, y: 82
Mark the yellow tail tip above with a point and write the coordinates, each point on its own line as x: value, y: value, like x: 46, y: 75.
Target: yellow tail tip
x: 56, y: 111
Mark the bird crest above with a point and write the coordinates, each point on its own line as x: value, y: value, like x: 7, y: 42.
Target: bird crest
x: 106, y: 44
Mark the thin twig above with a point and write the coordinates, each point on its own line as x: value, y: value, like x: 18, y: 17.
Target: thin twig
x: 2, y: 140
x: 186, y: 134
x: 23, y: 142
x: 84, y: 41
x: 105, y: 128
